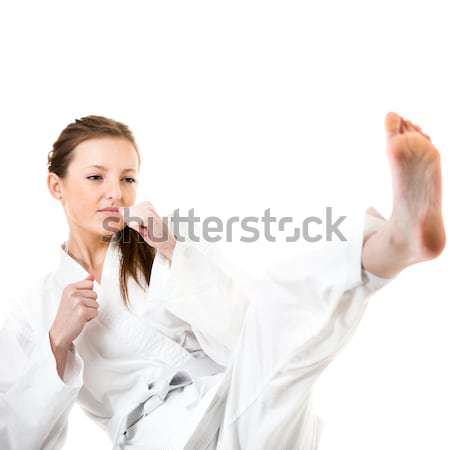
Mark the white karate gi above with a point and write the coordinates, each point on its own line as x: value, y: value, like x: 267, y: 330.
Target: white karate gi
x: 207, y: 358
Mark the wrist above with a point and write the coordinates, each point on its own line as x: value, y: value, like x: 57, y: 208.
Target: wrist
x: 167, y: 249
x: 58, y: 345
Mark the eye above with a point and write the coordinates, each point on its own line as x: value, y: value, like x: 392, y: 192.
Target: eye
x: 130, y: 179
x: 94, y: 176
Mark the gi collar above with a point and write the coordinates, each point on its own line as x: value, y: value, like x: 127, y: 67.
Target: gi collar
x: 70, y: 270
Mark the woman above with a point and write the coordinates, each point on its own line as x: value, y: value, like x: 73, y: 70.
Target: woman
x: 161, y: 342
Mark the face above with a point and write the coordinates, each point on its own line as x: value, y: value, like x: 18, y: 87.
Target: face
x: 102, y: 174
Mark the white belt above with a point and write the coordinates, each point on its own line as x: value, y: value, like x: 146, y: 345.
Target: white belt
x: 158, y: 390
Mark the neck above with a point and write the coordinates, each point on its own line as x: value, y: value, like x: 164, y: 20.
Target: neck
x: 88, y: 249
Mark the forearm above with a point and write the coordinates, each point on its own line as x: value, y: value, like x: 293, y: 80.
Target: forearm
x: 60, y: 353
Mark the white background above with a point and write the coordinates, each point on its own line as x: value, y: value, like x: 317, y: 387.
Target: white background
x: 238, y: 107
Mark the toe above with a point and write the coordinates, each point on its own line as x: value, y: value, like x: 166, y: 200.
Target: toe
x: 393, y: 124
x: 421, y: 132
x: 415, y: 126
x: 410, y: 126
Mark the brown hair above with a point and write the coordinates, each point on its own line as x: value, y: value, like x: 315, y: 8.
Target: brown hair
x: 136, y: 256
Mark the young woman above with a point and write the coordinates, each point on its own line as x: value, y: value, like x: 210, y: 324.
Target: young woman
x: 166, y: 346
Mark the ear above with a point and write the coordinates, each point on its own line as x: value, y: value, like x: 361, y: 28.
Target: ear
x: 54, y: 185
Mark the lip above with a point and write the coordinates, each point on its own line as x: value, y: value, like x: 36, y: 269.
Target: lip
x: 109, y: 210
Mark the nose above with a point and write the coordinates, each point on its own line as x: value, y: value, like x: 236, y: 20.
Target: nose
x: 113, y: 191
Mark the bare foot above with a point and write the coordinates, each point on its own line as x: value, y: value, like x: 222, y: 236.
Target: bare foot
x: 416, y: 180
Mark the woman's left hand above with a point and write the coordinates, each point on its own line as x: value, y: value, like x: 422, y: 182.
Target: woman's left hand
x: 143, y: 218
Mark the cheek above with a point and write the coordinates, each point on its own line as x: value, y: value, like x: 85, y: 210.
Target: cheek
x: 129, y: 196
x: 82, y: 204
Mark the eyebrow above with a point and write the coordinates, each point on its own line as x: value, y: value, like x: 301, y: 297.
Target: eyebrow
x: 98, y: 166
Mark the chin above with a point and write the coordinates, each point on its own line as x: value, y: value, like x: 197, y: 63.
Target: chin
x: 110, y: 232
x: 111, y: 227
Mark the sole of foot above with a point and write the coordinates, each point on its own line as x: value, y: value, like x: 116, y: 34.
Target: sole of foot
x: 416, y: 180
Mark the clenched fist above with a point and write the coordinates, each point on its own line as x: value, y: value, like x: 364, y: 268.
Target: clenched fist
x: 145, y: 220
x: 78, y: 306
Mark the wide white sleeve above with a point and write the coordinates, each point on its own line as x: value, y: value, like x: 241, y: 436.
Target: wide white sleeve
x: 34, y: 401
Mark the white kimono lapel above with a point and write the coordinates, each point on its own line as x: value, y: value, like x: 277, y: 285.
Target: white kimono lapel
x: 114, y: 316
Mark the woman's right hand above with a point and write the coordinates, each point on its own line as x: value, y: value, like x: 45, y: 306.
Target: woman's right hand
x: 78, y: 306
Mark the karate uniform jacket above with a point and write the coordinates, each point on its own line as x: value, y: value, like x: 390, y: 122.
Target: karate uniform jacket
x: 117, y: 351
